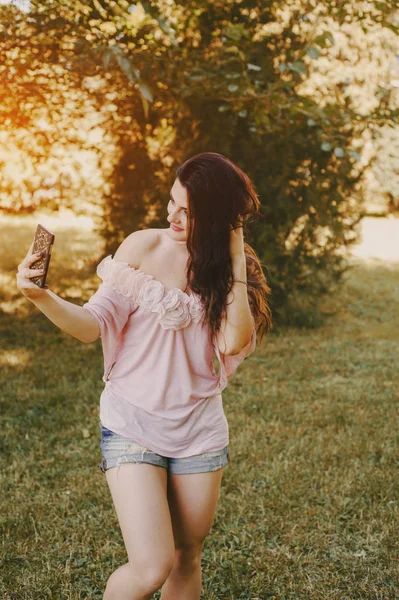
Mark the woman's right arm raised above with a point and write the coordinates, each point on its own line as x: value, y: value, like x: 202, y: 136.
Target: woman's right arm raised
x: 69, y: 317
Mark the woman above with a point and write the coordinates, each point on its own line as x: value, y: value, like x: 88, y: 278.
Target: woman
x: 169, y: 299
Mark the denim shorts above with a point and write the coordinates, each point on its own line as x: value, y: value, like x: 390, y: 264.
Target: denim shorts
x: 116, y: 449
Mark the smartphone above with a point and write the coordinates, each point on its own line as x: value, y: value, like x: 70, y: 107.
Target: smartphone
x: 42, y: 242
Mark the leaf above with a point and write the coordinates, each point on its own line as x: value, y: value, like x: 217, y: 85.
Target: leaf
x: 235, y: 32
x: 322, y: 39
x: 252, y: 67
x: 162, y: 22
x: 313, y: 52
x: 354, y: 154
x: 330, y: 37
x: 311, y: 122
x: 235, y: 50
x: 125, y: 64
x: 115, y: 52
x: 339, y: 153
x: 298, y: 66
x: 326, y: 146
x: 145, y: 91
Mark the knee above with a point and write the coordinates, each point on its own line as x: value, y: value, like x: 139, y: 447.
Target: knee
x: 187, y: 558
x: 151, y: 577
x: 140, y: 581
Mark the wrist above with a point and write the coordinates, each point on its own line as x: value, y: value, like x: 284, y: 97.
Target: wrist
x: 240, y: 281
x: 35, y: 296
x: 239, y: 267
x: 238, y: 258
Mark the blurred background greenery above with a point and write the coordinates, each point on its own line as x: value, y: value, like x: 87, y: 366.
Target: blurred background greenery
x: 100, y: 102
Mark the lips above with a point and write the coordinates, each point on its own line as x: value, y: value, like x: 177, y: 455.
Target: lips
x: 175, y: 227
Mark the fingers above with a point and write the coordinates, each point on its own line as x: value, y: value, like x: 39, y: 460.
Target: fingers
x: 34, y: 257
x: 24, y: 279
x: 25, y: 271
x: 25, y: 274
x: 29, y: 259
x: 239, y: 223
x: 28, y: 273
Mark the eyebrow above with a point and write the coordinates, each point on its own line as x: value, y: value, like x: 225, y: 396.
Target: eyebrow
x: 170, y: 194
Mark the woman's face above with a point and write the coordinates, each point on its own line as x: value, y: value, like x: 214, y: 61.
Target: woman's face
x: 177, y: 212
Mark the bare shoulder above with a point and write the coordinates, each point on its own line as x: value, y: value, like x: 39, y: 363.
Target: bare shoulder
x: 137, y: 245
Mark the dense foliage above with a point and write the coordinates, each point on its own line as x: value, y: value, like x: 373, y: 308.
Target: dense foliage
x: 140, y: 87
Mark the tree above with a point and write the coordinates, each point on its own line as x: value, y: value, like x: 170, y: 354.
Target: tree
x: 171, y: 80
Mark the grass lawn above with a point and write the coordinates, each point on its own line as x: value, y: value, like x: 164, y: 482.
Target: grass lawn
x: 309, y: 502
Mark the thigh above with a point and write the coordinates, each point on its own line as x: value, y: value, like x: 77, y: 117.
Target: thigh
x: 139, y: 494
x: 193, y: 499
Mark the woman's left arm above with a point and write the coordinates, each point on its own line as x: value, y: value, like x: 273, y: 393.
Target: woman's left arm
x: 237, y: 328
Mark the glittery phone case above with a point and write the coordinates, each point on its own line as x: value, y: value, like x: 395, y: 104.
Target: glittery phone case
x: 43, y: 242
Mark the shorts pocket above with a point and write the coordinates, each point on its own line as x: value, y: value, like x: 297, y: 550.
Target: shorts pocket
x: 106, y: 431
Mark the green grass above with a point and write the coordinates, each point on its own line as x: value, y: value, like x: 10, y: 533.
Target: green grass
x: 309, y: 503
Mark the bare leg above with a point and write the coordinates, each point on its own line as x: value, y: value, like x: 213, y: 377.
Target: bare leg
x: 123, y: 585
x: 140, y: 498
x: 192, y: 500
x: 185, y: 580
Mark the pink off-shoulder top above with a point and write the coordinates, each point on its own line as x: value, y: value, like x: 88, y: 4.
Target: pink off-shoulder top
x: 161, y: 388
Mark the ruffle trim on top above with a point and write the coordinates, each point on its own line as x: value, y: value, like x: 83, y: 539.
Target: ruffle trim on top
x: 174, y: 308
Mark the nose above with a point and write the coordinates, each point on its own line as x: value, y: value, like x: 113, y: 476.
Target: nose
x: 171, y: 216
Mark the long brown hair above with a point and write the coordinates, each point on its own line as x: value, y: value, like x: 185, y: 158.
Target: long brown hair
x: 219, y: 196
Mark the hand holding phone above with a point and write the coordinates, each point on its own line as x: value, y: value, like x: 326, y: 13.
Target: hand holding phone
x: 32, y: 277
